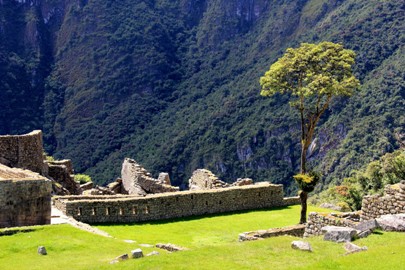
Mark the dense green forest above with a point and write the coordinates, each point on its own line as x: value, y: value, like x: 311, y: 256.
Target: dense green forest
x: 175, y: 84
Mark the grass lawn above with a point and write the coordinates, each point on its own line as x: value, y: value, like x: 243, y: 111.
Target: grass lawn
x: 212, y: 242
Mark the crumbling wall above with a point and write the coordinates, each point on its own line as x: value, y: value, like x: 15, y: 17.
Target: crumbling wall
x: 316, y: 221
x: 136, y: 180
x: 121, y: 208
x: 25, y: 198
x: 23, y: 151
x: 391, y: 202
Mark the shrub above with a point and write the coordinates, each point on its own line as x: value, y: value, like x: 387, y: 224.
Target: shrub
x: 83, y: 178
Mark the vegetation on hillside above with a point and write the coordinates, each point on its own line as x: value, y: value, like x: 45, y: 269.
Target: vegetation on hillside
x: 173, y: 84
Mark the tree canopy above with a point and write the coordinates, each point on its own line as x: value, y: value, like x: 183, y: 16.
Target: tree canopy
x: 314, y: 73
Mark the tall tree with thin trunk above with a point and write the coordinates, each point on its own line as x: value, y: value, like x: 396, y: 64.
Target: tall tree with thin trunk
x: 312, y: 75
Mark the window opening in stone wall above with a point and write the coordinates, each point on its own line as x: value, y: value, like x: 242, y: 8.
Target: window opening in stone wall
x: 107, y: 211
x: 147, y: 210
x: 121, y: 211
x: 93, y: 212
x: 79, y: 211
x: 220, y: 202
x: 259, y: 194
x: 177, y: 199
x: 206, y: 203
x: 134, y: 210
x: 192, y: 197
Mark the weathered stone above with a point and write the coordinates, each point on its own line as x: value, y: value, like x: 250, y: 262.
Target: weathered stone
x: 62, y: 175
x: 301, y: 245
x: 203, y: 179
x: 23, y: 151
x: 120, y: 258
x: 137, y: 253
x: 364, y: 234
x: 352, y: 248
x: 87, y: 186
x: 153, y: 253
x: 164, y: 178
x: 296, y: 230
x: 136, y: 180
x: 242, y: 182
x: 25, y: 198
x: 42, y: 250
x: 170, y: 247
x: 368, y: 225
x: 339, y: 234
x: 392, y: 222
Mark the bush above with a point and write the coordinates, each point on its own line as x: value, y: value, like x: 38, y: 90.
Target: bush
x: 83, y: 178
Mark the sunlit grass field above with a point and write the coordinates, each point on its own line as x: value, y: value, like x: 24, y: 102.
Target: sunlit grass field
x: 212, y: 243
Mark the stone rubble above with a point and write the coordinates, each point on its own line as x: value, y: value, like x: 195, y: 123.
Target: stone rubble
x: 42, y: 250
x: 352, y: 248
x: 137, y: 253
x: 170, y: 247
x: 392, y: 223
x: 339, y: 234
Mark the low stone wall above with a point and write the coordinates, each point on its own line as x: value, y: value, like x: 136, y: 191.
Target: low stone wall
x: 126, y: 209
x: 316, y: 221
x: 23, y: 151
x: 297, y: 231
x: 25, y: 198
x: 392, y: 202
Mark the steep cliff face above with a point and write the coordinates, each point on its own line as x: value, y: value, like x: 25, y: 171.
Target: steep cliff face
x: 174, y: 84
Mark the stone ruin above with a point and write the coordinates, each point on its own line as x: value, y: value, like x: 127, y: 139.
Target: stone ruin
x: 26, y: 152
x: 137, y: 181
x: 203, y: 179
x: 25, y: 198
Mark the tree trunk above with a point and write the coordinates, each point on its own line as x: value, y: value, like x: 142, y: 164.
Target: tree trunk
x: 303, y: 198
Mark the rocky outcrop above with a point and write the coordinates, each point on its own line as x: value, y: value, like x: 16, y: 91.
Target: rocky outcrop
x: 136, y: 180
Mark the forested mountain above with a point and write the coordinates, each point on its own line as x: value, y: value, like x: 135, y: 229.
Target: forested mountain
x: 174, y: 84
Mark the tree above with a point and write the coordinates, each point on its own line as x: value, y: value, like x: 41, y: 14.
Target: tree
x: 312, y: 74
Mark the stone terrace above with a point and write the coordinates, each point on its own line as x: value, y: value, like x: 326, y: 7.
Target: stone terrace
x: 125, y: 209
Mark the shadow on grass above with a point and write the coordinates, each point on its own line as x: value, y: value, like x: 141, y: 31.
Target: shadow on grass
x: 11, y: 231
x: 190, y: 218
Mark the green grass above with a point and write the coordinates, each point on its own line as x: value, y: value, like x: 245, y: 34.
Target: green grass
x: 212, y: 243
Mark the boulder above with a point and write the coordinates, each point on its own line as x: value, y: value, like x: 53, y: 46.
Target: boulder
x: 352, y: 248
x: 339, y: 234
x: 42, y: 250
x: 120, y: 258
x: 367, y: 225
x: 392, y: 223
x: 301, y: 245
x: 137, y: 253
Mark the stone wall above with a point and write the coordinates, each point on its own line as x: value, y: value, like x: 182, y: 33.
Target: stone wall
x: 25, y: 198
x: 125, y: 208
x: 23, y: 151
x: 391, y: 202
x: 316, y: 221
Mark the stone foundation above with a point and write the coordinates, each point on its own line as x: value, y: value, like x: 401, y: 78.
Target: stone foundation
x: 127, y: 209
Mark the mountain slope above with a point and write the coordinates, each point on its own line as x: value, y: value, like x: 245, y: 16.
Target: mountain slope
x: 174, y: 84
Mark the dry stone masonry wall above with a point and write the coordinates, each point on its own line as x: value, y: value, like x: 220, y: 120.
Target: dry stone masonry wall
x: 23, y: 151
x: 316, y: 221
x: 25, y: 198
x: 124, y: 209
x: 392, y: 202
x: 136, y: 180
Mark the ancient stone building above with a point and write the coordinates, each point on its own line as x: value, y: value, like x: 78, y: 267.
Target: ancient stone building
x: 23, y: 151
x: 25, y: 198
